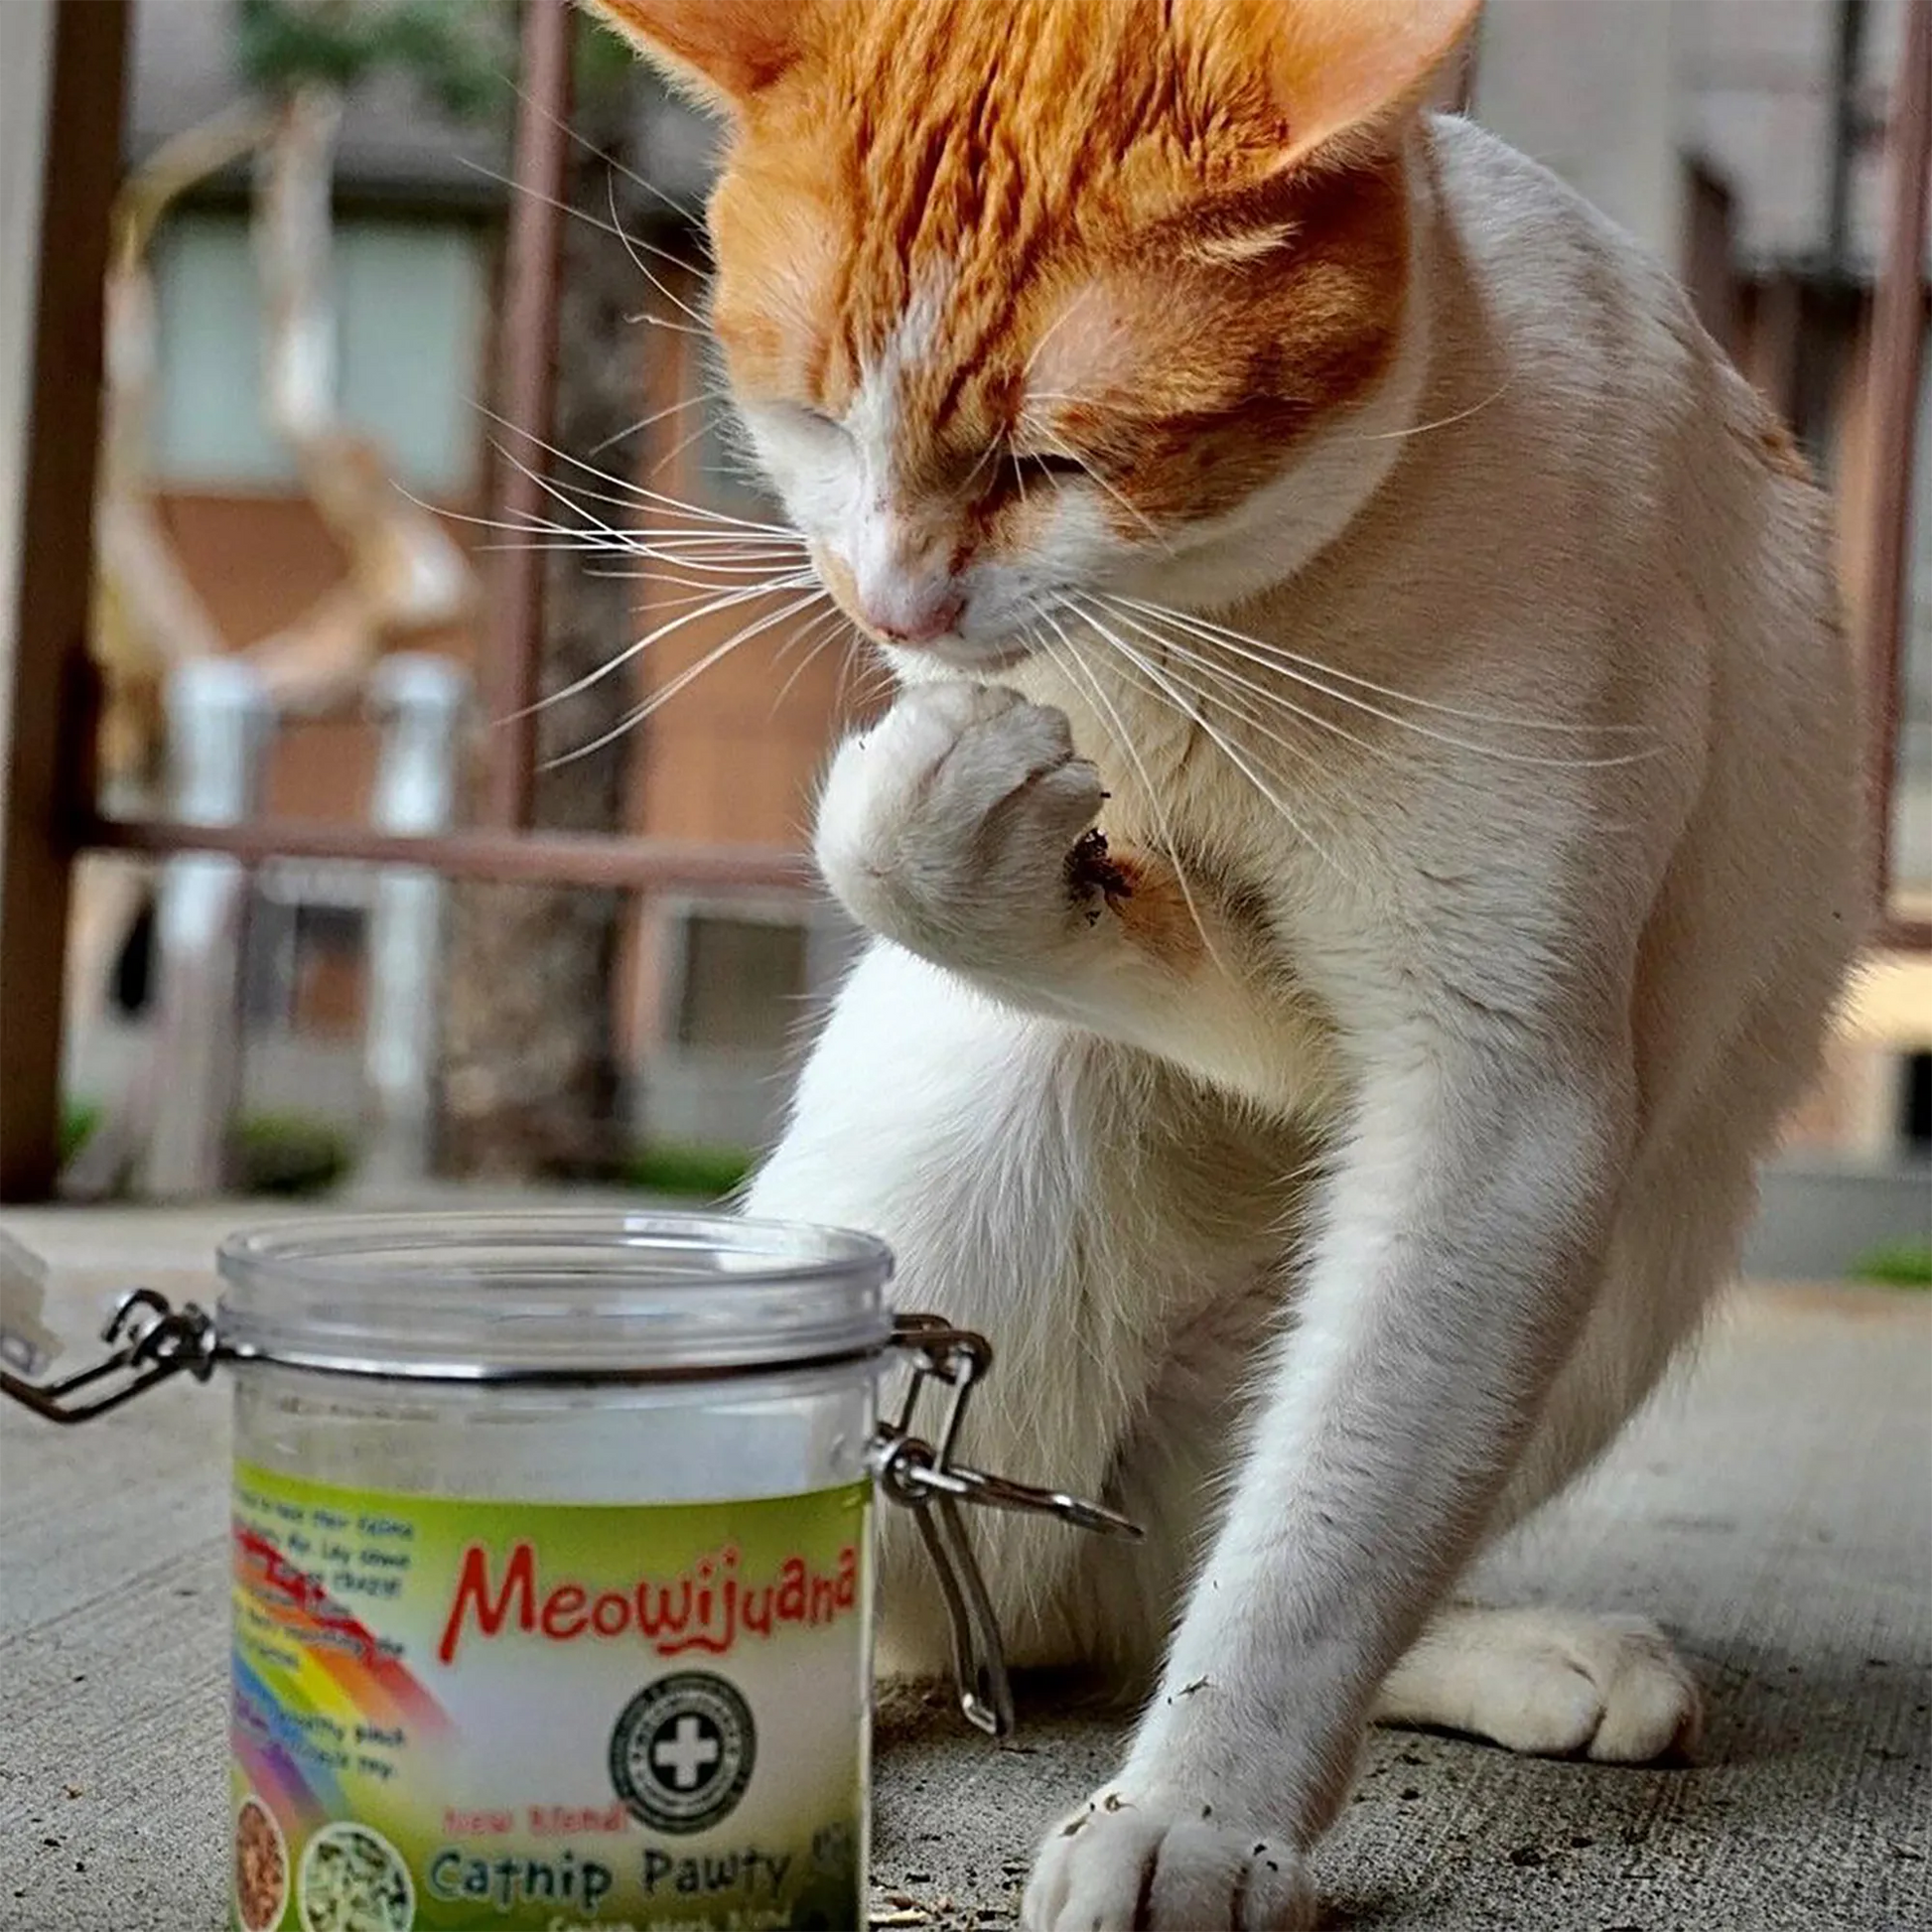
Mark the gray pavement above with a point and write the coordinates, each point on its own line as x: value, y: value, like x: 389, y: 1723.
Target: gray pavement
x: 1775, y: 1513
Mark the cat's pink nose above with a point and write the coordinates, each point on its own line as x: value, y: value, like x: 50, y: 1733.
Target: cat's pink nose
x: 912, y: 613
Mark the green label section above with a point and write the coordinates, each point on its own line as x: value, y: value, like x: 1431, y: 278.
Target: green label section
x: 459, y: 1714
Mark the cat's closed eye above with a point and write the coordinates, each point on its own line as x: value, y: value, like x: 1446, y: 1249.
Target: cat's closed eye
x: 807, y: 416
x: 1046, y: 465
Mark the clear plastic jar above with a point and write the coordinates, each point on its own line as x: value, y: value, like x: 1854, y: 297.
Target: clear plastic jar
x: 552, y: 1589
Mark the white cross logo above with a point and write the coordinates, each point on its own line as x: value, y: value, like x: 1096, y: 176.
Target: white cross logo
x: 685, y: 1756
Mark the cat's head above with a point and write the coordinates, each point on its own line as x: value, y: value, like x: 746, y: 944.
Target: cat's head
x: 1013, y: 296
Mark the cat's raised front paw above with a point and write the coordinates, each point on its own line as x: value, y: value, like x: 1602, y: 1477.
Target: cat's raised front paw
x: 1143, y: 1860
x: 950, y: 827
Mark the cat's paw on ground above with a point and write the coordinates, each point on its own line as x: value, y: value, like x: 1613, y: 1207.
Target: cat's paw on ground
x: 1551, y: 1683
x: 949, y: 825
x: 1138, y: 1860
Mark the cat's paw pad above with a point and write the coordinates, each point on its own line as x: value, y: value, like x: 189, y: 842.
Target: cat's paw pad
x: 1135, y: 1860
x: 1553, y: 1684
x: 949, y: 825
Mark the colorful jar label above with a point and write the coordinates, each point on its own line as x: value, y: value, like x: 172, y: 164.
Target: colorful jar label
x: 556, y: 1716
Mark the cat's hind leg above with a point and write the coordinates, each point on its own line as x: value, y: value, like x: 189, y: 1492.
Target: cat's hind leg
x: 1561, y: 1682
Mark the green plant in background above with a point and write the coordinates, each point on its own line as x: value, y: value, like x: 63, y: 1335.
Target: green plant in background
x: 285, y: 1154
x: 289, y: 1155
x: 690, y: 1173
x: 79, y: 1119
x: 459, y: 51
x: 1899, y: 1264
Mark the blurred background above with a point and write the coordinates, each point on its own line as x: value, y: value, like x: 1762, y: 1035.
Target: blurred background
x: 399, y: 307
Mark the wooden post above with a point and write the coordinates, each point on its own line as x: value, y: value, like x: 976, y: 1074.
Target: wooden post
x: 529, y: 354
x: 1897, y: 353
x: 48, y: 731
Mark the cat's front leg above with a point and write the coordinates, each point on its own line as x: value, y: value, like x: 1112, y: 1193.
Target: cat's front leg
x: 1459, y: 1248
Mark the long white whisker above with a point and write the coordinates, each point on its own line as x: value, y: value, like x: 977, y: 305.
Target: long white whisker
x: 696, y: 543
x: 643, y: 268
x: 576, y: 536
x: 1058, y: 323
x: 1440, y: 422
x: 1275, y: 703
x: 698, y: 511
x: 745, y: 524
x: 724, y: 601
x: 1124, y: 738
x: 570, y: 209
x: 590, y: 147
x: 678, y: 448
x: 589, y: 543
x: 1060, y: 447
x: 643, y: 315
x: 676, y: 548
x: 811, y: 657
x: 1520, y: 721
x: 729, y: 543
x: 1322, y: 678
x: 875, y: 677
x: 980, y: 461
x: 700, y: 592
x: 655, y: 417
x: 619, y: 540
x: 1228, y: 748
x: 661, y: 697
x: 710, y: 585
x: 557, y: 493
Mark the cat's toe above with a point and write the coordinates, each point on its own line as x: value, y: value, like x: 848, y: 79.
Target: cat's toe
x: 1146, y: 1861
x: 1551, y: 1683
x: 1650, y: 1706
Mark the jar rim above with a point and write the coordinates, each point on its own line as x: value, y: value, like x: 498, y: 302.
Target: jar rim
x: 552, y: 1292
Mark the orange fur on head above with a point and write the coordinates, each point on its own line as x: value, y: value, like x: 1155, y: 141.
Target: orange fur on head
x: 1158, y: 239
x: 723, y: 51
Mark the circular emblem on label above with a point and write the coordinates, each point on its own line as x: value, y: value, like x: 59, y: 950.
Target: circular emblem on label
x: 682, y: 1751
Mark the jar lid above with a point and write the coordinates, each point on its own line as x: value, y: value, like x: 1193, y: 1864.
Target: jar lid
x: 505, y: 1297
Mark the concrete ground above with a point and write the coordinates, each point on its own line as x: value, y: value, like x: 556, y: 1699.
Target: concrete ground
x: 1775, y: 1513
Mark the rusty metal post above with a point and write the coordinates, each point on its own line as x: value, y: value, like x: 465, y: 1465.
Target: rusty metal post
x: 529, y: 365
x: 49, y: 738
x: 1898, y: 355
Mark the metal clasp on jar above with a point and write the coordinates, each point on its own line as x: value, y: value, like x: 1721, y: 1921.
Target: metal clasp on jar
x: 925, y: 1478
x: 149, y: 1339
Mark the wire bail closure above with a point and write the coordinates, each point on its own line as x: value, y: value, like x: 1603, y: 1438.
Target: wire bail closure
x: 149, y: 1341
x: 929, y: 1482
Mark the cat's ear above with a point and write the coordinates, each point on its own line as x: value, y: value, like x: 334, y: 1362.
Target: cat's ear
x: 725, y: 52
x: 1341, y: 71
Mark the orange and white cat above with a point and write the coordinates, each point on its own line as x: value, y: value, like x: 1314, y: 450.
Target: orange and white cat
x: 1321, y: 502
